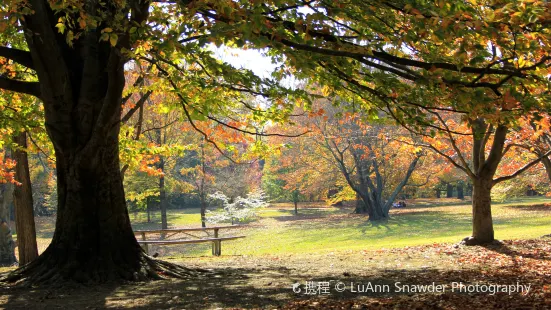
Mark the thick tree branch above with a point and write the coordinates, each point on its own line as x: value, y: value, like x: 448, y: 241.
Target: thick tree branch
x: 496, y: 152
x: 16, y: 55
x: 521, y: 170
x: 138, y: 105
x: 30, y: 88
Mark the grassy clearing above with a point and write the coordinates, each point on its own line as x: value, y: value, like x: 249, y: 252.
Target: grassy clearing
x: 320, y: 229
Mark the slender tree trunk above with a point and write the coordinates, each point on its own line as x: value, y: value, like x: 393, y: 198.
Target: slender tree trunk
x: 23, y: 200
x: 388, y: 204
x: 460, y: 194
x: 162, y: 196
x: 449, y: 190
x: 202, y: 192
x: 437, y: 193
x: 296, y: 207
x: 203, y: 210
x: 148, y: 208
x: 7, y: 245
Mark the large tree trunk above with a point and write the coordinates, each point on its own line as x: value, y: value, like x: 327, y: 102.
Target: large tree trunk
x: 374, y: 210
x: 361, y: 207
x: 547, y: 164
x: 483, y: 229
x: 93, y: 239
x: 7, y: 246
x: 81, y: 86
x: 23, y: 200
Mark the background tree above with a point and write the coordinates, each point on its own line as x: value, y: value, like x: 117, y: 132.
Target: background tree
x: 369, y: 161
x: 477, y: 149
x: 7, y: 245
x: 23, y: 201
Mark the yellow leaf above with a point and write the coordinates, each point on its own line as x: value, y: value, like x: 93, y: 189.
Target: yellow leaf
x: 113, y: 39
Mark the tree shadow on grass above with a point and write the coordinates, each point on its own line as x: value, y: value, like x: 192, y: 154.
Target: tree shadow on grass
x: 307, y: 214
x: 417, y: 222
x: 516, y: 255
x: 536, y: 207
x: 379, y: 225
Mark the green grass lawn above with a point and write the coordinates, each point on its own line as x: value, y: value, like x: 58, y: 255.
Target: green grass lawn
x: 320, y: 228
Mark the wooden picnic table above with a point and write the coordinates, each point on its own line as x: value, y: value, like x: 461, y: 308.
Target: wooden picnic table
x: 216, y: 239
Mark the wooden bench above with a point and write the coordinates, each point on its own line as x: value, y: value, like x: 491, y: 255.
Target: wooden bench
x: 215, y: 239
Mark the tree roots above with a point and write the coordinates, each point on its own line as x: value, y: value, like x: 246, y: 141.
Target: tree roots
x: 46, y: 271
x: 470, y: 241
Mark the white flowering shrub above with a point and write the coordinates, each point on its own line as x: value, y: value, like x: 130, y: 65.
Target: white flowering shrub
x: 238, y: 211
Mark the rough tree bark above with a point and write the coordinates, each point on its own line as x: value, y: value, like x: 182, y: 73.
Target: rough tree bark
x: 81, y: 87
x: 23, y: 200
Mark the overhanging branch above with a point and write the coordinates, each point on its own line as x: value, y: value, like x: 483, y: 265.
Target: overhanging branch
x: 16, y: 55
x: 521, y: 170
x: 30, y: 88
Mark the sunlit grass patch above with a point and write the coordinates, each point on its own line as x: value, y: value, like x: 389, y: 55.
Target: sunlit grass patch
x: 319, y: 228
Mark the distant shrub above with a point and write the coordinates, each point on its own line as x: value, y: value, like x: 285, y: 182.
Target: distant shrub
x: 238, y: 211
